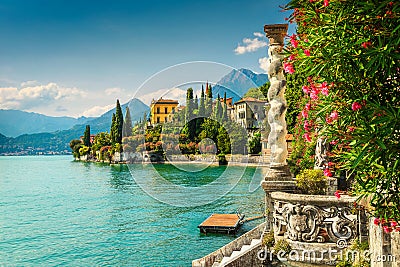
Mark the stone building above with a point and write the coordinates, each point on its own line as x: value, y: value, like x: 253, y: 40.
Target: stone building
x: 250, y: 112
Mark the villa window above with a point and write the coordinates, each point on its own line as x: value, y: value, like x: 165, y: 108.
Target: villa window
x: 158, y: 119
x: 166, y: 110
x: 158, y: 110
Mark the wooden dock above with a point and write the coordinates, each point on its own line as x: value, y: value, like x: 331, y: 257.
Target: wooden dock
x: 221, y: 223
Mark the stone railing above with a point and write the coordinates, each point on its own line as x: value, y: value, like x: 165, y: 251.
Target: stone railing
x: 227, y: 250
x: 311, y: 218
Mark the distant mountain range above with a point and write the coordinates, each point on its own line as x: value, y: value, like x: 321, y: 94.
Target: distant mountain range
x: 237, y: 82
x: 23, y: 133
x: 58, y: 141
x: 15, y: 122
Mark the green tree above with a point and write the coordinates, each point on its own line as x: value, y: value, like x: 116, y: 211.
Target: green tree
x: 86, y: 136
x: 119, y: 121
x: 264, y: 89
x: 196, y: 103
x: 223, y: 141
x: 75, y: 145
x: 255, y: 93
x: 113, y: 130
x: 127, y: 127
x: 208, y: 100
x: 190, y: 126
x: 202, y: 104
x: 224, y: 109
x: 255, y: 143
x: 218, y: 109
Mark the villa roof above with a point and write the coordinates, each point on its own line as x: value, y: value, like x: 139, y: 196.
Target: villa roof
x: 251, y: 99
x: 164, y: 101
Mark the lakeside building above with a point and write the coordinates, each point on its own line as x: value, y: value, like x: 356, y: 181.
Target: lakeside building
x: 250, y: 112
x: 162, y: 110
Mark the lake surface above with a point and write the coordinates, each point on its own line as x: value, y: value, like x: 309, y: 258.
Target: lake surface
x: 54, y: 211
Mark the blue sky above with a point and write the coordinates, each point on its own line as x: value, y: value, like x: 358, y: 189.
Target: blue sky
x: 76, y: 57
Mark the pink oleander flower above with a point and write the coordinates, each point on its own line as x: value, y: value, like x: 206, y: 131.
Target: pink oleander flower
x: 304, y: 113
x: 324, y: 88
x: 377, y: 221
x: 288, y: 67
x: 393, y: 224
x: 387, y: 229
x: 337, y: 194
x: 307, y: 137
x: 334, y: 115
x: 293, y: 41
x: 314, y: 96
x: 307, y: 126
x: 307, y: 52
x: 326, y: 3
x: 356, y: 106
x: 351, y: 128
x: 334, y: 142
x: 328, y: 120
x: 327, y: 173
x: 306, y: 89
x: 292, y: 57
x: 308, y: 106
x: 306, y: 40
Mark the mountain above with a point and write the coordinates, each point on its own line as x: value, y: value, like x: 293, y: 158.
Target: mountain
x: 15, y: 122
x: 58, y: 142
x: 237, y: 82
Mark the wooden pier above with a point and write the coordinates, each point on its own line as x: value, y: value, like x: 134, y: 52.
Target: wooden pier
x: 221, y: 223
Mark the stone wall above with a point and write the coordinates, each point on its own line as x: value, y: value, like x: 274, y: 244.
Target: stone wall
x: 227, y: 250
x: 248, y: 259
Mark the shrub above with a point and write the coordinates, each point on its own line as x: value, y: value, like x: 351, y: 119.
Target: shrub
x: 269, y: 239
x: 281, y: 245
x: 311, y: 182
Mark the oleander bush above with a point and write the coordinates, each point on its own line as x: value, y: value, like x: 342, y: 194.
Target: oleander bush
x: 345, y: 56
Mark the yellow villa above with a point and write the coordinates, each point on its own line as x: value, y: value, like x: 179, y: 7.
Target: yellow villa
x: 162, y: 110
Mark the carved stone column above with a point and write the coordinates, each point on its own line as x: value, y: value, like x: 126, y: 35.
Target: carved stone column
x: 278, y: 177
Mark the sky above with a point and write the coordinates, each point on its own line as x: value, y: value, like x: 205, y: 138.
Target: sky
x: 75, y: 58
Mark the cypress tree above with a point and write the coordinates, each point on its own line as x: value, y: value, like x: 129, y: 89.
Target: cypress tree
x: 202, y: 108
x: 208, y: 100
x: 189, y: 104
x: 218, y: 109
x: 196, y: 103
x: 127, y: 127
x: 190, y: 123
x: 224, y: 109
x: 86, y: 136
x: 113, y: 129
x: 119, y: 121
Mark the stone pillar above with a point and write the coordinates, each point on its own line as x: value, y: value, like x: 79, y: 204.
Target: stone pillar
x: 278, y: 177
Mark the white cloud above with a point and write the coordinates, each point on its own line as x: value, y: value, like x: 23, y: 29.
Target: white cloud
x: 264, y: 63
x: 36, y: 96
x: 173, y: 93
x: 97, y: 110
x: 113, y: 91
x: 29, y: 83
x: 251, y: 45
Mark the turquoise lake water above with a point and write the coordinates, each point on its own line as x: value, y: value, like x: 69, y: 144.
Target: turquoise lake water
x: 54, y: 211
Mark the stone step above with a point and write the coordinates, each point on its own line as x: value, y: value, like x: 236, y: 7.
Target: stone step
x: 244, y: 248
x: 224, y: 260
x: 255, y: 242
x: 235, y: 253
